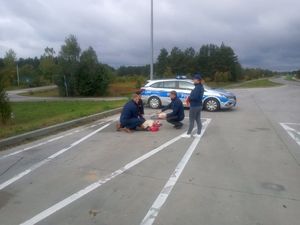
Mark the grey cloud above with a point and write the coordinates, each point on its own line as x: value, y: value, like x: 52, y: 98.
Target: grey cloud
x: 262, y: 33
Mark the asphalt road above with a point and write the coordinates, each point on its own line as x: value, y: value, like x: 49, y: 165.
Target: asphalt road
x: 15, y: 96
x: 245, y: 169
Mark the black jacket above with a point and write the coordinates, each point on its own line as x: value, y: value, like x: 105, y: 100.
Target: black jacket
x: 130, y: 110
x: 196, y: 96
x: 177, y: 107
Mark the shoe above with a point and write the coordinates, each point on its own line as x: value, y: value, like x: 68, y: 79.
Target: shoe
x: 125, y: 130
x: 198, y: 136
x: 186, y: 135
x: 118, y: 127
x: 178, y: 126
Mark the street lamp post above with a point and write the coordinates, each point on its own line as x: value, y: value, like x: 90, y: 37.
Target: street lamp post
x: 18, y: 77
x: 152, y: 51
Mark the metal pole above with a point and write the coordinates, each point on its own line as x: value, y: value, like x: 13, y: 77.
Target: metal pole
x: 152, y: 51
x: 18, y: 77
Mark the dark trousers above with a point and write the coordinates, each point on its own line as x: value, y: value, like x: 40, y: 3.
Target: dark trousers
x: 175, y: 121
x: 195, y: 115
x: 133, y: 123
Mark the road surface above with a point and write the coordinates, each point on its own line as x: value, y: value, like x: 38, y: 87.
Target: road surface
x: 245, y: 169
x: 15, y: 96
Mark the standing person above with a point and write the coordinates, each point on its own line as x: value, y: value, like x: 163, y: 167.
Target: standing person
x: 130, y: 119
x: 195, y: 100
x: 177, y: 115
x: 140, y: 104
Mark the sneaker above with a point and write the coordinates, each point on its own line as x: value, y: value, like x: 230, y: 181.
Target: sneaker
x: 198, y: 136
x: 186, y: 135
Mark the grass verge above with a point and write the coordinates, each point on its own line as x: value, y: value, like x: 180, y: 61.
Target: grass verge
x: 259, y: 83
x: 34, y: 115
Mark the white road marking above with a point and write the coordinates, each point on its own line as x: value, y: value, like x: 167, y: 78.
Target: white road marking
x: 294, y: 134
x: 293, y: 123
x: 43, y: 162
x: 167, y: 189
x: 65, y: 202
x: 48, y: 141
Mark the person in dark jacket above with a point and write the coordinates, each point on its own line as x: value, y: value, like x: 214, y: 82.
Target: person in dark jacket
x: 195, y: 100
x: 177, y: 115
x: 140, y: 104
x: 130, y: 119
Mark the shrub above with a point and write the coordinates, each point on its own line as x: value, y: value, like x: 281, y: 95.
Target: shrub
x: 222, y: 76
x: 5, y: 108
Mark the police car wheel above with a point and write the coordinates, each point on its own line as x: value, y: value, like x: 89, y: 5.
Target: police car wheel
x: 212, y: 105
x: 154, y: 103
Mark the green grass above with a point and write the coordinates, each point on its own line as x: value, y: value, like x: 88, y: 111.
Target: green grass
x: 214, y: 84
x: 34, y: 115
x: 289, y: 77
x: 259, y: 83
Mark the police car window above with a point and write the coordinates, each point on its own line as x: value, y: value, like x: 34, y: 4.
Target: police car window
x: 186, y: 85
x: 157, y: 85
x: 170, y: 84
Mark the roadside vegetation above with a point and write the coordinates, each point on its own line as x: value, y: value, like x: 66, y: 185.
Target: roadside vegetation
x: 29, y: 116
x: 259, y: 83
x: 5, y: 107
x: 80, y: 72
x: 293, y: 77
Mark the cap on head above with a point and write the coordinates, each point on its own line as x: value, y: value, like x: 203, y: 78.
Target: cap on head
x: 197, y: 77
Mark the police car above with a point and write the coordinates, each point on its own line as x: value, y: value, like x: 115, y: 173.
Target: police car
x: 155, y: 93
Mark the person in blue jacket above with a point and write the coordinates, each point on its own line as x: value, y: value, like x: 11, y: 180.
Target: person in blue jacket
x: 177, y: 115
x: 195, y: 100
x: 130, y: 118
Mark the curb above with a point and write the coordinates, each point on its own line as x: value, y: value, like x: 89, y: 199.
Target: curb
x: 15, y: 140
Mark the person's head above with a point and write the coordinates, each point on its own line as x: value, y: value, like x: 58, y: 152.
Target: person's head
x: 173, y: 94
x: 135, y: 98
x: 197, y: 79
x: 139, y: 94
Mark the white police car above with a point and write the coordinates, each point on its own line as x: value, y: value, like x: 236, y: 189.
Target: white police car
x: 155, y: 93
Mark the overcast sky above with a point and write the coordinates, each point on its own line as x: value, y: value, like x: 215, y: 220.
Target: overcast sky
x: 263, y: 34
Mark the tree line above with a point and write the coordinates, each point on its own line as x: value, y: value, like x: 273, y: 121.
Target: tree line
x: 76, y: 72
x: 216, y: 63
x: 79, y: 72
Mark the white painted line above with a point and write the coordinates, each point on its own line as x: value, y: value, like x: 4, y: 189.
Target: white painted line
x: 294, y: 134
x: 43, y: 162
x: 292, y: 123
x: 65, y: 202
x: 47, y: 142
x: 167, y: 189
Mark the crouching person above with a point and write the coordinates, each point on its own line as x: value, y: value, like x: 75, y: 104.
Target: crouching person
x: 130, y: 118
x: 177, y: 115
